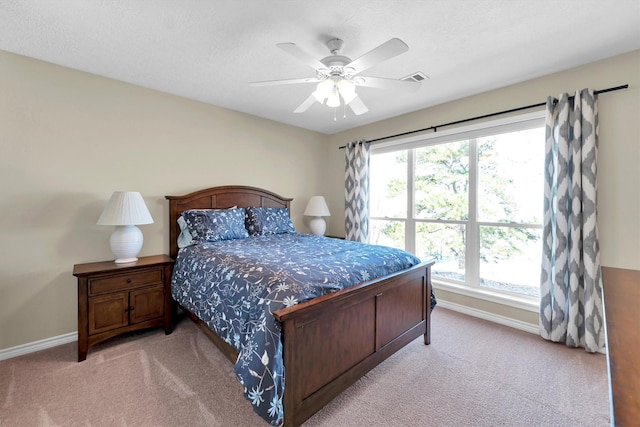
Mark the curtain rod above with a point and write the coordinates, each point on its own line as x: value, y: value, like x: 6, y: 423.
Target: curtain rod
x: 513, y: 110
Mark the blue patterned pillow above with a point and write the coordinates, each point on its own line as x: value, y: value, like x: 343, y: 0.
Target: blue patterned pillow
x: 262, y: 221
x: 212, y: 225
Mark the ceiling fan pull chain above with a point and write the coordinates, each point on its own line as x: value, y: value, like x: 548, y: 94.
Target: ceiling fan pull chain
x: 334, y: 114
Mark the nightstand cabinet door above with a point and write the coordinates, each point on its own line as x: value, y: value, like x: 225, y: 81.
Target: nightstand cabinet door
x: 146, y: 304
x: 108, y: 312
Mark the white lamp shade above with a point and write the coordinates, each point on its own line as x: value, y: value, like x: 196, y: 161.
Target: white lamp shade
x: 317, y: 206
x: 334, y: 99
x: 323, y: 90
x: 331, y: 91
x: 125, y: 210
x: 347, y: 90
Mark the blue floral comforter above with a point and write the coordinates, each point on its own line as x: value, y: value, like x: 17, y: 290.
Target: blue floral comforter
x: 235, y: 285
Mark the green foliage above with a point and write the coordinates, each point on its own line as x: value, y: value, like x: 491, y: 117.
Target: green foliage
x: 442, y: 193
x: 395, y: 231
x: 442, y: 181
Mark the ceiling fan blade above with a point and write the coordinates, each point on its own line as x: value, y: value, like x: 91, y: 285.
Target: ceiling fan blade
x: 357, y: 106
x: 305, y: 105
x: 284, y: 82
x: 386, y: 50
x: 391, y: 84
x: 303, y: 56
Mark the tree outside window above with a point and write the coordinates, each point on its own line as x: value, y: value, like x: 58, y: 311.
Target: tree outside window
x: 474, y: 204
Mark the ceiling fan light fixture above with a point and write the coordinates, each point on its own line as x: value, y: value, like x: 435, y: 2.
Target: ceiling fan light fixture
x: 347, y: 90
x: 337, y: 76
x: 334, y: 99
x: 323, y: 90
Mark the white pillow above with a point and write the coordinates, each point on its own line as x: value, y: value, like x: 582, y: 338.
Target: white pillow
x: 184, y: 239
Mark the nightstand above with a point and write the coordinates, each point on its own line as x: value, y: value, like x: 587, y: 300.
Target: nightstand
x: 117, y: 298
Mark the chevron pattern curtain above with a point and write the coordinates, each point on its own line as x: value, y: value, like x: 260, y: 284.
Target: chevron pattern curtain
x: 571, y: 282
x: 356, y: 191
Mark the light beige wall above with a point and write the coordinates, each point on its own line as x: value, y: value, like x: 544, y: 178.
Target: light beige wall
x: 69, y: 139
x: 618, y: 162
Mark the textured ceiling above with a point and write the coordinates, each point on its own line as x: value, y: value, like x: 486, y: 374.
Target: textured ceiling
x: 209, y: 50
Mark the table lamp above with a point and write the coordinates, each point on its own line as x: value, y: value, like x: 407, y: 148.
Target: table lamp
x: 125, y: 210
x: 317, y: 208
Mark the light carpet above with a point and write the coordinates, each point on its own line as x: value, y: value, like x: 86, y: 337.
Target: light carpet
x: 474, y: 373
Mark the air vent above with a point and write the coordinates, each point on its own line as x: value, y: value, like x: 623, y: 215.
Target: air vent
x: 418, y: 76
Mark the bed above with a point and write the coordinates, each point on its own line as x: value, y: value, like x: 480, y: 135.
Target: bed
x: 327, y: 342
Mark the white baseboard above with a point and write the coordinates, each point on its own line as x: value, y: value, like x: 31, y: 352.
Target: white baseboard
x: 491, y: 317
x: 32, y: 347
x: 496, y: 318
x: 73, y: 336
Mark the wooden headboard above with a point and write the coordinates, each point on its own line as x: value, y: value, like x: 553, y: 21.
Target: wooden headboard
x: 219, y: 198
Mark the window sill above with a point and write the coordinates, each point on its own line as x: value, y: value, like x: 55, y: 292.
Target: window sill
x: 521, y: 302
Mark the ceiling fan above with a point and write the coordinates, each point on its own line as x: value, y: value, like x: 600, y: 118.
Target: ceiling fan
x: 337, y: 76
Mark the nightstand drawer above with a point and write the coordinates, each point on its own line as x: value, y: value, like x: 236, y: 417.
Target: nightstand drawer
x: 101, y: 285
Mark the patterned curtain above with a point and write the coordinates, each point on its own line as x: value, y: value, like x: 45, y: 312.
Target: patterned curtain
x: 356, y: 191
x: 571, y: 281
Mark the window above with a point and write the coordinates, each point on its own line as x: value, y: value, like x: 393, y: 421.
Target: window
x: 471, y: 198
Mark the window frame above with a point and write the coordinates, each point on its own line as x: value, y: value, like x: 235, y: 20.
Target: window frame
x: 471, y: 286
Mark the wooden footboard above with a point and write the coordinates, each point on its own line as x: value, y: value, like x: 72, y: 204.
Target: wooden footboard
x: 332, y: 341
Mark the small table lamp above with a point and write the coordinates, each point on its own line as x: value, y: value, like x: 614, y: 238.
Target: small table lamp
x: 317, y: 208
x: 125, y: 210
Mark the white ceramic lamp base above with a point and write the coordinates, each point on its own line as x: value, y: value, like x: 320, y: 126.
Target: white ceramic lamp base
x: 126, y: 242
x: 318, y: 226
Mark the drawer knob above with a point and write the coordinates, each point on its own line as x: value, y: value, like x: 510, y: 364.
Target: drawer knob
x: 128, y: 280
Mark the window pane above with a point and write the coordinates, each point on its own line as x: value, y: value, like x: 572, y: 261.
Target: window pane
x: 442, y: 181
x: 388, y: 185
x: 387, y: 233
x: 510, y: 259
x: 507, y: 184
x: 445, y: 243
x: 510, y: 177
